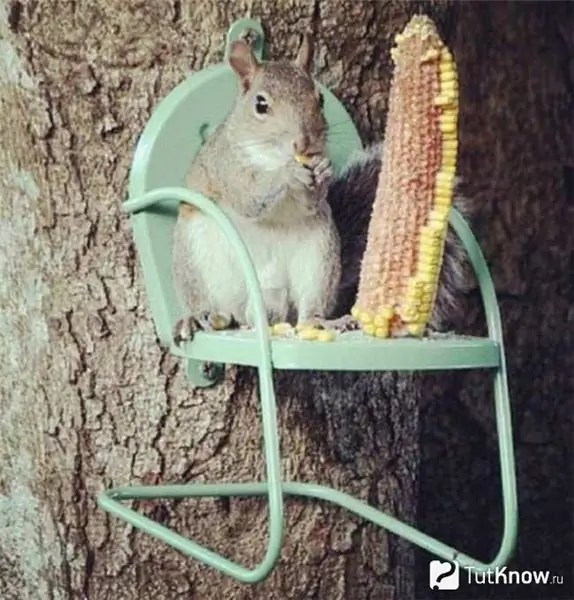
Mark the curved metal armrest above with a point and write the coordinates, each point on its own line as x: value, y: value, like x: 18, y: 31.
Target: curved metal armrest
x: 267, y: 393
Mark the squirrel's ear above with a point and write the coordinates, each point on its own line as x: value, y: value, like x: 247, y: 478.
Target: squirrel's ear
x: 304, y: 58
x: 243, y: 62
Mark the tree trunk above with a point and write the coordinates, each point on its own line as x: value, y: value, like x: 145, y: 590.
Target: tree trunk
x: 516, y: 65
x: 89, y: 400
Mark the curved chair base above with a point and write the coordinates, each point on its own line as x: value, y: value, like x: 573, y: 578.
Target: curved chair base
x: 111, y: 501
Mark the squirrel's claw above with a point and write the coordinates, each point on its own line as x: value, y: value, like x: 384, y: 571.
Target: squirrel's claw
x: 186, y: 328
x: 322, y: 170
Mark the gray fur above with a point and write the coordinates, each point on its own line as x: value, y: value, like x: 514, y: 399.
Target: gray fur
x: 251, y: 166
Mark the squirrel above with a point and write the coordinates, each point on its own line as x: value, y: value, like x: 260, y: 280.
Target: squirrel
x: 305, y: 229
x: 267, y: 169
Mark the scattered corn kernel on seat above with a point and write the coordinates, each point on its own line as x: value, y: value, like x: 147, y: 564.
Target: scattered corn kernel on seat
x: 407, y: 231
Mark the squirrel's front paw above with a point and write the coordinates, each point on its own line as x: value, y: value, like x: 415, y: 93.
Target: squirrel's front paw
x: 316, y: 174
x: 304, y: 176
x: 322, y: 170
x: 187, y: 327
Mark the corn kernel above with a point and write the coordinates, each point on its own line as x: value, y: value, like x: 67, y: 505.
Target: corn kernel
x: 445, y: 99
x: 436, y: 219
x: 425, y: 314
x: 382, y: 332
x: 447, y: 76
x: 445, y: 177
x: 325, y: 335
x: 281, y: 328
x: 448, y: 118
x: 428, y: 267
x: 442, y: 199
x: 447, y: 126
x: 428, y: 277
x: 309, y: 334
x: 380, y: 321
x: 409, y: 316
x: 409, y: 301
x: 415, y: 329
x: 427, y: 263
x: 430, y: 55
x: 366, y: 317
x: 451, y: 170
x: 449, y: 135
x: 439, y: 212
x: 369, y: 329
x: 449, y: 89
x: 386, y: 312
x: 429, y: 238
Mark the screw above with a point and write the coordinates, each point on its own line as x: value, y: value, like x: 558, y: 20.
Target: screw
x: 250, y: 36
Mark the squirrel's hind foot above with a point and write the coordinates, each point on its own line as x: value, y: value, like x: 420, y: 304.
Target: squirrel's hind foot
x: 340, y: 325
x: 186, y: 328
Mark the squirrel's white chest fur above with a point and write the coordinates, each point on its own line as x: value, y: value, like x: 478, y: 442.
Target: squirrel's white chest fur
x: 289, y: 263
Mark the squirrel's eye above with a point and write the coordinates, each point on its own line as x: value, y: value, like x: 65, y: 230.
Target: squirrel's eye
x: 261, y: 105
x: 321, y: 101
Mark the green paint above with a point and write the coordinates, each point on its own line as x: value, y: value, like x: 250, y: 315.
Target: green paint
x: 164, y: 151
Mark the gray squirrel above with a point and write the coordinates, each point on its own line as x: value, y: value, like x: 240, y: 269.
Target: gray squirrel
x: 305, y: 229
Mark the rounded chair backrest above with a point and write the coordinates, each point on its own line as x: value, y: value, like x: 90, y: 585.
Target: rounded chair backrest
x: 165, y: 150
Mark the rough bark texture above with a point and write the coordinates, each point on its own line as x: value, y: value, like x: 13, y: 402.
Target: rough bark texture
x: 516, y: 63
x: 89, y: 400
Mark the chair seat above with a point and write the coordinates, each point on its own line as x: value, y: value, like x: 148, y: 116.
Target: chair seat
x: 352, y: 351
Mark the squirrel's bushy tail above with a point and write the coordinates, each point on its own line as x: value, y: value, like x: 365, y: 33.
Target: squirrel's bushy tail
x: 351, y: 197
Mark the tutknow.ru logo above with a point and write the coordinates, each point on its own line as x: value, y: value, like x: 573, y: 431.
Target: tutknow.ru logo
x: 445, y: 575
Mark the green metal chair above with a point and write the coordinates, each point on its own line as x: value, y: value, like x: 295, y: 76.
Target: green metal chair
x: 170, y: 140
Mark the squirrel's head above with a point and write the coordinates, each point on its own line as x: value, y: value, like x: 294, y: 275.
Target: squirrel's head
x: 279, y: 109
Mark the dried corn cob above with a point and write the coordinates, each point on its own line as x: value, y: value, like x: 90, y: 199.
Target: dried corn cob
x: 407, y: 231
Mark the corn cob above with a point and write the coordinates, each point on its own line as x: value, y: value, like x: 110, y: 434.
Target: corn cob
x: 407, y: 231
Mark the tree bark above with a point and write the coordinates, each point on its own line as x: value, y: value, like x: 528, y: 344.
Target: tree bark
x: 516, y: 67
x: 89, y: 400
